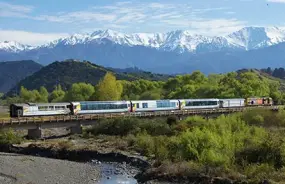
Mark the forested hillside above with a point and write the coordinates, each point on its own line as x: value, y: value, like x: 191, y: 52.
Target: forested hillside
x: 69, y: 72
x: 14, y: 71
x: 241, y: 84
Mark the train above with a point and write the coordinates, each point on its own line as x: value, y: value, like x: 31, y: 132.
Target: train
x: 136, y: 106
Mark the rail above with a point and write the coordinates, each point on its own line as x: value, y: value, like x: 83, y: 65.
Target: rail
x: 90, y: 117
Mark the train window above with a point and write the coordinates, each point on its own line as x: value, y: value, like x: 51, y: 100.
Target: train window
x: 162, y: 104
x: 138, y: 105
x: 42, y: 108
x: 103, y: 106
x: 59, y: 107
x: 201, y: 103
x: 145, y: 105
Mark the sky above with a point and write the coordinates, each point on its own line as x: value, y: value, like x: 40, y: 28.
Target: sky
x: 36, y: 22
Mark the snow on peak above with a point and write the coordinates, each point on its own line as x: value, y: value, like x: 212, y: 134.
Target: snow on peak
x: 180, y: 40
x: 256, y: 37
x: 12, y: 46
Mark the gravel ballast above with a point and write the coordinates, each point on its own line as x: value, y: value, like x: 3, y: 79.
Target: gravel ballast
x: 21, y: 169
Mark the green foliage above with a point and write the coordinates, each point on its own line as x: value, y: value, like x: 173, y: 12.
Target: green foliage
x: 43, y: 94
x: 234, y: 145
x: 240, y: 84
x: 79, y: 92
x: 142, y: 89
x: 66, y: 73
x: 259, y: 172
x: 9, y: 137
x: 34, y: 95
x: 57, y: 95
x: 109, y: 88
x: 151, y: 95
x: 131, y: 126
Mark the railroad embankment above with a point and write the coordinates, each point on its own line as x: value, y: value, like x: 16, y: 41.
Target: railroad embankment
x: 245, y: 147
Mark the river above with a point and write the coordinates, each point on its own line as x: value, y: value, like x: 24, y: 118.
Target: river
x: 116, y: 173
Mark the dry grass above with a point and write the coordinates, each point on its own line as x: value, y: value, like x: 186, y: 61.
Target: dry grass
x: 4, y: 116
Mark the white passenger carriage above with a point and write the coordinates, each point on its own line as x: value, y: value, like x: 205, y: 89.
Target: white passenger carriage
x: 199, y: 103
x: 93, y: 107
x: 228, y: 103
x: 39, y: 109
x: 154, y: 105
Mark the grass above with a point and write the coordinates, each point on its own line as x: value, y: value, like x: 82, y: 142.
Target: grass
x: 4, y: 116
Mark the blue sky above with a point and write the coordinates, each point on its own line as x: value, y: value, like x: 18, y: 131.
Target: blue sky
x: 39, y: 21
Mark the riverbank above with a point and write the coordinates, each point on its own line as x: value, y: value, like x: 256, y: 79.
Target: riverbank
x: 19, y: 169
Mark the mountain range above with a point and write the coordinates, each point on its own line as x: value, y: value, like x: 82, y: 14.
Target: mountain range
x: 172, y: 52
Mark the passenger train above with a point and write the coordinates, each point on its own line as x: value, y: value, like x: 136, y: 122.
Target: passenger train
x: 95, y: 107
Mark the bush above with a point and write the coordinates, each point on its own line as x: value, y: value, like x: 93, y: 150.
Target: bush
x: 9, y: 137
x: 127, y: 126
x: 172, y: 120
x: 144, y: 144
x: 259, y: 172
x: 120, y: 127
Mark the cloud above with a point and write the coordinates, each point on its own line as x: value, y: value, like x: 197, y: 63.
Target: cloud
x: 30, y: 38
x: 276, y: 1
x: 82, y: 16
x: 10, y: 10
x: 210, y: 27
x: 139, y: 16
x: 230, y: 12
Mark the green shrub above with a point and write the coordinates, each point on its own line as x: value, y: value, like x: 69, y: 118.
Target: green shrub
x: 196, y: 121
x: 125, y: 126
x: 120, y: 127
x: 172, y: 120
x: 9, y: 137
x: 144, y: 144
x: 259, y: 172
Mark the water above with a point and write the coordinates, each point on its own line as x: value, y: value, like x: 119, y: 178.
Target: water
x: 116, y: 173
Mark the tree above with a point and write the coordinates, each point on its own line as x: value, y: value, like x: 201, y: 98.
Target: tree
x: 26, y: 95
x: 43, y: 95
x: 253, y: 85
x: 151, y: 95
x: 109, y: 88
x: 57, y: 95
x: 79, y: 92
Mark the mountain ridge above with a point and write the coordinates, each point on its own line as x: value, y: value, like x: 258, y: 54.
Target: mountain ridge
x: 14, y: 71
x: 247, y: 38
x: 72, y: 71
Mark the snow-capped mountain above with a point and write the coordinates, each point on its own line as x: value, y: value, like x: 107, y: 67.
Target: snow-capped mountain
x: 171, y: 52
x: 180, y: 41
x: 247, y: 38
x: 256, y: 37
x: 12, y: 46
x: 171, y: 41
